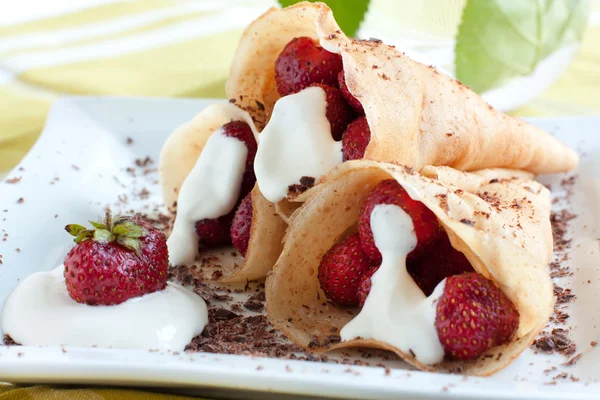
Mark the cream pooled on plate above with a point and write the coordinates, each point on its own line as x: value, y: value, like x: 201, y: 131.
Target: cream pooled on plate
x: 40, y: 312
x: 296, y: 143
x: 396, y: 311
x: 209, y: 191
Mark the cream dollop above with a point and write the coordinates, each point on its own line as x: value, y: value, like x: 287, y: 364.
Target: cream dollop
x: 296, y: 143
x: 209, y: 191
x: 40, y: 312
x: 396, y: 310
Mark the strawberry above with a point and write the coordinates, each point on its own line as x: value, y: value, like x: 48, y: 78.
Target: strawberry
x: 427, y: 228
x: 241, y: 130
x: 302, y: 63
x: 364, y: 287
x: 440, y: 261
x: 427, y: 269
x: 215, y: 232
x: 242, y: 224
x: 115, y: 261
x: 350, y: 99
x: 473, y: 315
x: 356, y: 139
x: 341, y: 271
x: 338, y: 113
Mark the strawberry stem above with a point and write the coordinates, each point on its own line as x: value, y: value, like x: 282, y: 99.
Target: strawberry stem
x: 108, y: 219
x: 120, y: 229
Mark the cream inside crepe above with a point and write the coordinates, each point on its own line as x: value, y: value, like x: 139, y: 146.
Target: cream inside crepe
x: 417, y: 116
x: 498, y: 218
x: 177, y: 158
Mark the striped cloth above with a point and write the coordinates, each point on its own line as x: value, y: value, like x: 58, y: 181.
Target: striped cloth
x: 169, y: 48
x: 141, y: 48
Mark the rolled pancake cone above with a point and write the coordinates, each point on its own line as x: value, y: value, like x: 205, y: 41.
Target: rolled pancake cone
x: 498, y: 218
x: 417, y: 116
x: 178, y: 157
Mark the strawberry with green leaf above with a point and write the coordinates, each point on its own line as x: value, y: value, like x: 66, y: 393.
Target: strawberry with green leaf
x: 118, y: 259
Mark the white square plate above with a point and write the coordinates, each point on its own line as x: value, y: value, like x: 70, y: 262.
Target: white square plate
x: 79, y: 165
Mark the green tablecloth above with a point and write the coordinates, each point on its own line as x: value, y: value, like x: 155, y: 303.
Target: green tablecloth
x: 11, y: 392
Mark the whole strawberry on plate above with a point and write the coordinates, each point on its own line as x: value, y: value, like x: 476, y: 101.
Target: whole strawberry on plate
x: 116, y: 260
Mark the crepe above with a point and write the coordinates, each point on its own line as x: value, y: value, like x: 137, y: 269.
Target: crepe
x: 177, y: 158
x: 417, y: 116
x: 498, y: 218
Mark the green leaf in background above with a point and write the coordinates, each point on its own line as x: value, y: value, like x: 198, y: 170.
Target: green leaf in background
x: 348, y: 13
x: 502, y: 39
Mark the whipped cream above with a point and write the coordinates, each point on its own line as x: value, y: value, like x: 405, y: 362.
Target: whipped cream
x: 296, y: 142
x: 210, y: 191
x: 40, y: 312
x: 396, y: 310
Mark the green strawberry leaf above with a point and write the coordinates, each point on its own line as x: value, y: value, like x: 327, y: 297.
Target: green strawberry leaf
x: 499, y: 40
x: 132, y: 230
x: 348, y: 13
x: 98, y: 225
x: 74, y: 229
x: 120, y: 230
x: 130, y: 243
x: 103, y: 236
x: 83, y: 235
